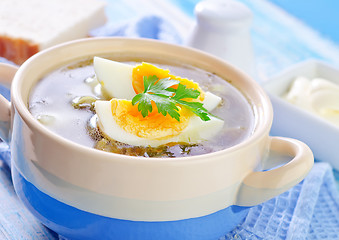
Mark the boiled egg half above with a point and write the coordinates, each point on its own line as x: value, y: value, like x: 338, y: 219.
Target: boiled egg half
x: 119, y: 120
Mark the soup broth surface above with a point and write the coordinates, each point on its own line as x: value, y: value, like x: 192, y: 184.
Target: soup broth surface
x: 62, y: 102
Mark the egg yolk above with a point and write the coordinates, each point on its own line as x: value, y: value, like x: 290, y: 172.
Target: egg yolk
x: 147, y: 69
x: 153, y: 126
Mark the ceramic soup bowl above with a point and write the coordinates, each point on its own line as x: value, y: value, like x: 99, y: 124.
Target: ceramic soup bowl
x: 84, y: 193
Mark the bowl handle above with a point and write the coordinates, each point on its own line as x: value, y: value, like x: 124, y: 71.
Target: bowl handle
x: 258, y: 187
x: 7, y: 73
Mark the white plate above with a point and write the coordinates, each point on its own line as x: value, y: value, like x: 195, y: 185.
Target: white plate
x: 291, y: 121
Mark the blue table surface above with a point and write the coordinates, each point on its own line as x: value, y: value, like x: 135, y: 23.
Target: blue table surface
x: 321, y: 15
x: 279, y: 40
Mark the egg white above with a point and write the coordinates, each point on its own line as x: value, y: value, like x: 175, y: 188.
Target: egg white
x: 115, y: 77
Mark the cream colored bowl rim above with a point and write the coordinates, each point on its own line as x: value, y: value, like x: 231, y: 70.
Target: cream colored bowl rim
x: 17, y: 100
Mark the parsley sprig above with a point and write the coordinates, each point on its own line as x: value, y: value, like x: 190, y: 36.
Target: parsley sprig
x: 167, y: 98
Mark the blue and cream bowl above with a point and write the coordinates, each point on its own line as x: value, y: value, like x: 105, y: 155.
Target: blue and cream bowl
x: 84, y: 193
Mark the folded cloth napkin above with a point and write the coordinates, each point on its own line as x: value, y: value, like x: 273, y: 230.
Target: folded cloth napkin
x: 310, y: 210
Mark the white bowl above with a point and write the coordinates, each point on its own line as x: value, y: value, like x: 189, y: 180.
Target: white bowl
x: 84, y: 193
x: 291, y: 121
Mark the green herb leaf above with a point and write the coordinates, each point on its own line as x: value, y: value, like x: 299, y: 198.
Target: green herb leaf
x: 197, y: 108
x: 149, y: 81
x: 167, y: 98
x: 183, y: 92
x: 162, y: 86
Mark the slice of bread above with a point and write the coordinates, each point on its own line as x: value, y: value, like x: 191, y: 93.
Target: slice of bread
x: 28, y: 26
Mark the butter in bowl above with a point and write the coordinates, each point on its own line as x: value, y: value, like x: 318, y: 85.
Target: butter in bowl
x: 305, y: 100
